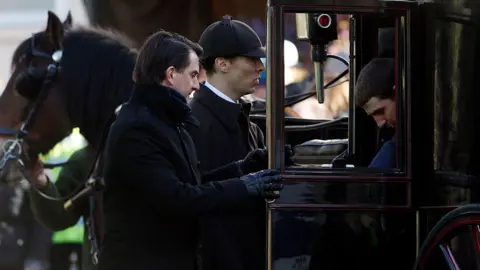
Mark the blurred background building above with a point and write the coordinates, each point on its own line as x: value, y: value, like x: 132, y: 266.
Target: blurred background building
x: 19, y: 18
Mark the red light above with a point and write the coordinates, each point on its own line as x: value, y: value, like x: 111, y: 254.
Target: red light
x: 324, y: 20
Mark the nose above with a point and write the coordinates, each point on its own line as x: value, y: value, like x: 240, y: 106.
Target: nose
x: 259, y: 65
x: 196, y: 85
x: 202, y: 76
x: 380, y: 120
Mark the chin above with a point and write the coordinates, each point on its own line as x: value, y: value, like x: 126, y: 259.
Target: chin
x: 250, y: 91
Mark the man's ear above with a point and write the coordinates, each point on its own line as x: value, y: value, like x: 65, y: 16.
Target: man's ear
x: 170, y: 75
x: 221, y: 64
x: 394, y: 93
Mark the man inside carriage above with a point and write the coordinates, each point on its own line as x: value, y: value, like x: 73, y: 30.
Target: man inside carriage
x: 375, y: 93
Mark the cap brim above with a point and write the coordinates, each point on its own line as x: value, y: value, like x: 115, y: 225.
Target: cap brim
x: 259, y: 52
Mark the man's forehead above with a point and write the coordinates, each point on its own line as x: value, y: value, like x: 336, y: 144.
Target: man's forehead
x: 194, y: 63
x: 193, y: 57
x: 373, y: 104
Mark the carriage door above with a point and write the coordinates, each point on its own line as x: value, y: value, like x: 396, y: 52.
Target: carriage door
x: 335, y: 212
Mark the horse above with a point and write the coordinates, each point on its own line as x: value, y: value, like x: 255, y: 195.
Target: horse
x: 63, y: 77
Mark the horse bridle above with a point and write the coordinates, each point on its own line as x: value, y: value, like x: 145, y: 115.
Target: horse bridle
x: 13, y: 148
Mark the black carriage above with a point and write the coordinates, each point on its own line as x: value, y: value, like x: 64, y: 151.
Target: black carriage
x: 335, y: 213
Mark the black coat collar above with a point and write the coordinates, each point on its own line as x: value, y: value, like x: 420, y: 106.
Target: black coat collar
x: 164, y: 102
x: 227, y: 112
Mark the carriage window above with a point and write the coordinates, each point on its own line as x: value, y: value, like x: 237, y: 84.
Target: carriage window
x: 326, y: 126
x: 301, y: 101
x: 301, y: 97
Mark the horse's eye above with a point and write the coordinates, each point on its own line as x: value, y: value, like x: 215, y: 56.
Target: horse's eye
x: 28, y: 83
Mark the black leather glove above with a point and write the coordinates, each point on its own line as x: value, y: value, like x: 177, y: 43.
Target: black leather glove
x: 265, y: 184
x: 255, y: 161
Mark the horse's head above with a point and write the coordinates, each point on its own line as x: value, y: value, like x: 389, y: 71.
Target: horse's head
x: 32, y: 115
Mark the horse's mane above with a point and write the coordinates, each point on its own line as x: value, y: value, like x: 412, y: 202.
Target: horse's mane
x: 96, y: 73
x: 19, y: 52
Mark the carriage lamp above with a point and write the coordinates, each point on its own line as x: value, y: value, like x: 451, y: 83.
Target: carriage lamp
x: 324, y: 21
x: 319, y: 29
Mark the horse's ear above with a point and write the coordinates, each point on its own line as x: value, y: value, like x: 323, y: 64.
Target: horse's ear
x: 54, y: 30
x: 68, y: 21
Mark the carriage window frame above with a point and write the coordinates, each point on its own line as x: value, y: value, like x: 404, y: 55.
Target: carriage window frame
x: 402, y: 82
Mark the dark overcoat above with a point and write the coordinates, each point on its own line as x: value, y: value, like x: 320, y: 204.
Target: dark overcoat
x: 153, y: 196
x: 235, y: 242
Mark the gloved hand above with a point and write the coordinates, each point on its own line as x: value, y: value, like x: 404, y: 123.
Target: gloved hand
x: 255, y: 161
x: 265, y: 184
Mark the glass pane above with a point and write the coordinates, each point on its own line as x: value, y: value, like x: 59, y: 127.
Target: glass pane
x: 316, y: 240
x: 350, y: 193
x: 318, y: 128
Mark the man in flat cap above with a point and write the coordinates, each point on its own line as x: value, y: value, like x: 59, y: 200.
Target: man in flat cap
x: 231, y: 59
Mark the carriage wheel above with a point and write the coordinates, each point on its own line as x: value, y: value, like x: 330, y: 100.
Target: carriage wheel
x: 454, y: 242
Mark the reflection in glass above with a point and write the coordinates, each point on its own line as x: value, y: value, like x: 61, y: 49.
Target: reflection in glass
x: 301, y: 21
x: 327, y: 240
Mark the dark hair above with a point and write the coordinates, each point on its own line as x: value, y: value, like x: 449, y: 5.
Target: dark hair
x: 160, y: 51
x: 193, y: 45
x: 92, y: 94
x: 376, y: 79
x: 209, y: 63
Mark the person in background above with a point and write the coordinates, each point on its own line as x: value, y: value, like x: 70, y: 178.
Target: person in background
x: 52, y: 213
x: 337, y: 95
x: 375, y: 93
x: 335, y: 98
x: 232, y: 61
x: 24, y: 242
x: 154, y: 193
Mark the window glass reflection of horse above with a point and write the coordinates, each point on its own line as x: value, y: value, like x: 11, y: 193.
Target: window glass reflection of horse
x: 95, y: 77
